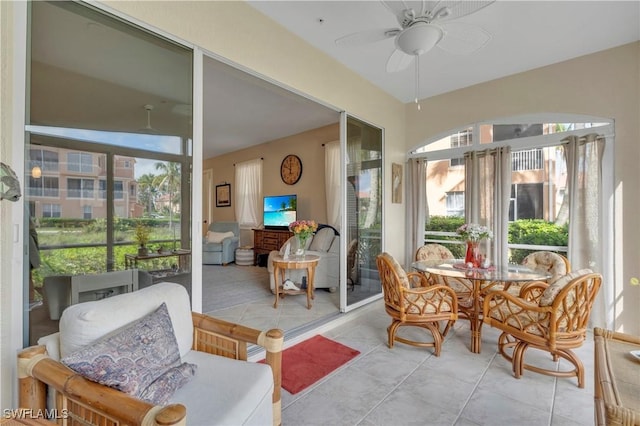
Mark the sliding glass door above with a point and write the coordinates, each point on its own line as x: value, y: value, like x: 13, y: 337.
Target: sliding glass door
x: 109, y: 134
x: 363, y: 209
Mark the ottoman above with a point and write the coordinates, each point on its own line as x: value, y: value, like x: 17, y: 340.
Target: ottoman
x: 244, y: 256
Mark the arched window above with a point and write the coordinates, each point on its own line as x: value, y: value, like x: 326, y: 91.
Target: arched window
x: 538, y: 209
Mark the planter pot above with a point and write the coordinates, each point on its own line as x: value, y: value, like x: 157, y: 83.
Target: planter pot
x: 143, y: 251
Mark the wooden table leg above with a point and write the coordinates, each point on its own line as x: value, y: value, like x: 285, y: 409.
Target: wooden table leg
x: 476, y: 323
x: 276, y: 285
x: 310, y: 276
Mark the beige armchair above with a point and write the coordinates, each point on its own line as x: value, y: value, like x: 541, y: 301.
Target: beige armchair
x: 411, y: 301
x: 548, y: 317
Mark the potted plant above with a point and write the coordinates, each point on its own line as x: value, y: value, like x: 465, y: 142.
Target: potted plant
x: 141, y: 235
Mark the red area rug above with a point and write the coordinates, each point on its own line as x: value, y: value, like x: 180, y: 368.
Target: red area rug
x: 309, y: 361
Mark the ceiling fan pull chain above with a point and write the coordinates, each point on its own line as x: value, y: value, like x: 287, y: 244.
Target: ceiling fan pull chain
x: 417, y: 80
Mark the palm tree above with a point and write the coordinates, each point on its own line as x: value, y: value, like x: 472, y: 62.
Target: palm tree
x: 168, y: 181
x: 147, y: 191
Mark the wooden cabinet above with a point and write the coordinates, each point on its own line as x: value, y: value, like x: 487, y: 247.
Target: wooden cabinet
x: 265, y: 240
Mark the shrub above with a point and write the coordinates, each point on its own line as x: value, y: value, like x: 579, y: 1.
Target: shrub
x: 523, y: 231
x: 535, y: 232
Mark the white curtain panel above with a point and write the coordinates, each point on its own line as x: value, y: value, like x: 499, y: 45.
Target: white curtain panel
x: 332, y: 182
x: 249, y: 193
x: 584, y: 189
x: 487, y: 192
x: 417, y: 209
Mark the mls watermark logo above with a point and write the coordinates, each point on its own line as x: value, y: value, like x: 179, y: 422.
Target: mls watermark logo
x: 30, y: 413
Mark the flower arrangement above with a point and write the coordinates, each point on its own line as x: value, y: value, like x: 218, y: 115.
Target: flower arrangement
x: 474, y: 232
x: 303, y: 229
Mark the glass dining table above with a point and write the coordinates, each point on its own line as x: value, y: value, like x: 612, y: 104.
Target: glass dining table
x: 475, y: 283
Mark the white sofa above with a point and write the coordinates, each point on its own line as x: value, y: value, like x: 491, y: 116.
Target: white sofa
x: 223, y: 391
x: 326, y: 244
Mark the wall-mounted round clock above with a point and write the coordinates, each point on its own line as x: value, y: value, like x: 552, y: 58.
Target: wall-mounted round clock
x: 291, y: 169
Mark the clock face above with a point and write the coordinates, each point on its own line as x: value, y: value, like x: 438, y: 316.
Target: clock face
x: 291, y: 169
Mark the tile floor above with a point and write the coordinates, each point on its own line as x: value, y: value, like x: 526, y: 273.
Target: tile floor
x: 409, y: 386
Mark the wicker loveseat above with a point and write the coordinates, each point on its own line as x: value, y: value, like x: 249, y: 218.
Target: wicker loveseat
x: 225, y: 389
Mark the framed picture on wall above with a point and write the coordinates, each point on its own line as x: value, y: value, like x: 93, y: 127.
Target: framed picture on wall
x: 223, y: 195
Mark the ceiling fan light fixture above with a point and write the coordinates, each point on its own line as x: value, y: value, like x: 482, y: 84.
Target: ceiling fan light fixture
x: 418, y: 38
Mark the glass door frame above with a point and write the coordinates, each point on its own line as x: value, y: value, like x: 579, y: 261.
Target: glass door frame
x: 344, y: 306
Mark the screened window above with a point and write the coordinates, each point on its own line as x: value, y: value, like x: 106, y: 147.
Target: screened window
x: 45, y: 159
x: 118, y: 189
x: 80, y: 188
x: 527, y: 201
x: 87, y: 210
x: 45, y: 186
x: 79, y: 162
x: 463, y: 138
x: 51, y: 210
x: 456, y: 162
x: 538, y: 179
x: 455, y: 203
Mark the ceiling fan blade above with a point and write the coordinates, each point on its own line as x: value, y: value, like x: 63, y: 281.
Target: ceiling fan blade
x: 398, y: 61
x: 400, y: 8
x: 456, y: 8
x: 365, y: 37
x: 463, y: 38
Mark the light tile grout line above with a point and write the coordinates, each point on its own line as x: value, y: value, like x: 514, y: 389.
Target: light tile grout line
x: 384, y: 398
x: 475, y: 387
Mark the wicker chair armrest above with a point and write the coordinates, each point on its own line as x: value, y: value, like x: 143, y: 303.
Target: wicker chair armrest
x: 219, y: 337
x: 36, y: 371
x: 417, y: 279
x: 532, y: 291
x: 494, y: 300
x: 514, y: 315
x: 235, y: 335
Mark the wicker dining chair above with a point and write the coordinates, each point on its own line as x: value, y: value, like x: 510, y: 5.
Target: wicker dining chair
x: 546, y: 262
x: 548, y: 317
x: 411, y: 301
x: 433, y: 252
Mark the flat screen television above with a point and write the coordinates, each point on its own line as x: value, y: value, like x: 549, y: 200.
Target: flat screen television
x: 280, y: 211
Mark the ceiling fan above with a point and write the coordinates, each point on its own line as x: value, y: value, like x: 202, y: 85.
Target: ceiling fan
x: 423, y: 26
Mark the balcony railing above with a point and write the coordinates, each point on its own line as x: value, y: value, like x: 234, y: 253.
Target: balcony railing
x: 531, y: 159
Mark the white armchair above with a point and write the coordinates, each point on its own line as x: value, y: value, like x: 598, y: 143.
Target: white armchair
x: 326, y: 244
x: 225, y: 389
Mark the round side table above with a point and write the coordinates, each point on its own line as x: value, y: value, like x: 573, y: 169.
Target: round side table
x: 280, y: 265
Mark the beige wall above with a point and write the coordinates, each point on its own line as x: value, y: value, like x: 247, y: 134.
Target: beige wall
x: 310, y: 187
x: 604, y: 84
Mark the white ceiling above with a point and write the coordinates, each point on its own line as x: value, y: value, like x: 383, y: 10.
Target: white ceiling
x: 241, y: 110
x: 525, y: 35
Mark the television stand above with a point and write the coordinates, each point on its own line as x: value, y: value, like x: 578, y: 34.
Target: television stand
x: 266, y: 240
